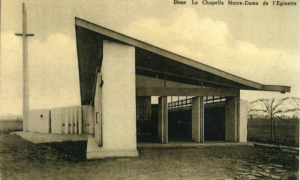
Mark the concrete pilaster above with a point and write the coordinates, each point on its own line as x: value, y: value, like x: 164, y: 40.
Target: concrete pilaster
x: 198, y: 120
x: 163, y: 119
x: 231, y: 119
x: 243, y: 120
x: 117, y: 103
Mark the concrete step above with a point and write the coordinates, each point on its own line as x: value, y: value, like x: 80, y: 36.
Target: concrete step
x: 95, y: 152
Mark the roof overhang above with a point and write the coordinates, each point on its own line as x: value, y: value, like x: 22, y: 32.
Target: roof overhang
x: 189, y: 70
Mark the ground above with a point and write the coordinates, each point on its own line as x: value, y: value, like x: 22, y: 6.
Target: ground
x: 21, y: 159
x: 287, y: 131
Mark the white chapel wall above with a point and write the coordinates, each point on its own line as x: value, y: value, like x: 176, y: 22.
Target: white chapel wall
x: 118, y: 96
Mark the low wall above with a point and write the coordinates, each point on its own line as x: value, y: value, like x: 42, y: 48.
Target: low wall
x: 67, y: 120
x: 287, y: 131
x: 38, y: 121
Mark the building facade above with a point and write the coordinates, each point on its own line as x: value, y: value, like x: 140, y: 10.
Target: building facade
x: 119, y: 75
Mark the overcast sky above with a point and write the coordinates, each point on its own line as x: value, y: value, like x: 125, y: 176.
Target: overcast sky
x: 259, y: 43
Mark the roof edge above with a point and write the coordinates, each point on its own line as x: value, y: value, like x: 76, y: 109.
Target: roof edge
x: 140, y: 44
x: 276, y: 88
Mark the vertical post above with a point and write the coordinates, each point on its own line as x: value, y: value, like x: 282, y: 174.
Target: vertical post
x: 75, y: 120
x: 201, y: 119
x: 163, y: 120
x: 242, y: 121
x: 165, y: 82
x: 79, y: 120
x: 25, y: 72
x: 50, y: 121
x: 231, y: 119
x: 185, y: 101
x: 25, y: 68
x: 198, y: 120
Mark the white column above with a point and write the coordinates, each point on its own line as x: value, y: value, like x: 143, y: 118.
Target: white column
x: 25, y: 73
x: 118, y: 103
x: 243, y: 120
x: 231, y: 119
x: 198, y: 120
x: 163, y: 119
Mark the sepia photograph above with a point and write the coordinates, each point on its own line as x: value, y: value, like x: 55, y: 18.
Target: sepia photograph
x: 140, y: 89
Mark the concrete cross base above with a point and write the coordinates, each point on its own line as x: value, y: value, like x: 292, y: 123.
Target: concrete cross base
x: 95, y: 152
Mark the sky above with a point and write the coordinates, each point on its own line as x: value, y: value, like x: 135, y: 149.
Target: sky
x: 259, y: 43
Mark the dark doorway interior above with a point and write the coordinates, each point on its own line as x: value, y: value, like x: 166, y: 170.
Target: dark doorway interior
x: 154, y: 123
x: 214, y: 124
x: 146, y: 120
x: 147, y: 129
x: 180, y: 124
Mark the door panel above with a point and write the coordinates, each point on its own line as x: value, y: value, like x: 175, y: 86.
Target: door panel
x: 98, y: 110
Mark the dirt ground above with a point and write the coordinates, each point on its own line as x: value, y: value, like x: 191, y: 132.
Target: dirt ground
x: 21, y: 159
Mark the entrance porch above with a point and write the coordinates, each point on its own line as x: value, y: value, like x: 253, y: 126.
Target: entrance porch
x: 196, y: 119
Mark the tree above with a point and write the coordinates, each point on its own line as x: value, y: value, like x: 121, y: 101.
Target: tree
x: 273, y: 108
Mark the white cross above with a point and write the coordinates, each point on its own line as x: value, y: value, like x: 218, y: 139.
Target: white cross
x: 25, y: 70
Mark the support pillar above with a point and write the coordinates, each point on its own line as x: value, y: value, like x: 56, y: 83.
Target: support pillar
x: 118, y: 108
x: 231, y: 119
x: 24, y: 34
x: 163, y: 119
x: 243, y: 120
x: 198, y: 120
x: 236, y: 120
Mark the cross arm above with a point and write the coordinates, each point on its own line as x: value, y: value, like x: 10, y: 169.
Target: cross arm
x: 20, y: 34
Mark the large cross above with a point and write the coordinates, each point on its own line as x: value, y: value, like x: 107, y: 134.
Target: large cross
x: 25, y: 70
